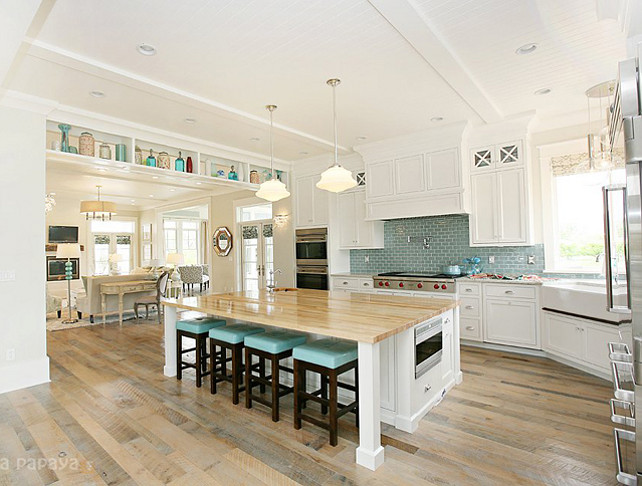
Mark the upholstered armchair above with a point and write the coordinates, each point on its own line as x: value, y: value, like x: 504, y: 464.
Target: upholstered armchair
x: 206, y: 275
x: 190, y: 275
x: 54, y: 303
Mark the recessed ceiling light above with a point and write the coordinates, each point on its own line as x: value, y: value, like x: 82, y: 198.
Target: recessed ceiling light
x: 190, y: 121
x: 133, y: 204
x: 133, y: 200
x: 437, y: 119
x: 255, y: 139
x: 154, y: 177
x: 542, y: 91
x: 526, y: 49
x: 362, y: 138
x: 199, y: 183
x: 172, y: 190
x: 97, y: 94
x: 146, y: 49
x: 151, y: 195
x: 304, y: 153
x: 101, y: 169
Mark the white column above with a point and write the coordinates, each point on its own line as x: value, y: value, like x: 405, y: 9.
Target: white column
x: 369, y: 452
x: 170, y: 341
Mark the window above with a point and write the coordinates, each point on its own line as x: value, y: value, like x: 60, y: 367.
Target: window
x: 255, y: 213
x: 112, y: 238
x: 182, y: 236
x: 574, y: 214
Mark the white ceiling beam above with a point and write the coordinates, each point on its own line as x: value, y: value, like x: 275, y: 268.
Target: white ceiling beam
x: 412, y: 25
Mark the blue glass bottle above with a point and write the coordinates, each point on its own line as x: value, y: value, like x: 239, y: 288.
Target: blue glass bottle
x: 233, y: 176
x: 151, y: 160
x: 180, y: 163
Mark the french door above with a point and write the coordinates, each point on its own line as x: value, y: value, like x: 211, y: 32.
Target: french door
x: 108, y: 244
x: 257, y: 254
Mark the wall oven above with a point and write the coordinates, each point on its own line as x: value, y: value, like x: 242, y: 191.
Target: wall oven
x: 312, y: 247
x: 312, y: 277
x: 428, y: 345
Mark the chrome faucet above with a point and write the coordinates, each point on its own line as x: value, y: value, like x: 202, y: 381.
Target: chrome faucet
x: 271, y: 285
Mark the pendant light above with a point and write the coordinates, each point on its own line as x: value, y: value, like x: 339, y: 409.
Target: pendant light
x: 336, y: 178
x: 98, y: 209
x: 273, y: 189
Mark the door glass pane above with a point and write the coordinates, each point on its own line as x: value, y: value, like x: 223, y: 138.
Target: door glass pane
x: 101, y: 254
x: 250, y: 252
x: 190, y: 245
x: 124, y: 249
x: 268, y: 249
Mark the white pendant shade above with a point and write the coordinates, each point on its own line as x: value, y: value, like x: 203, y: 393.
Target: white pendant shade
x: 336, y: 179
x: 272, y: 190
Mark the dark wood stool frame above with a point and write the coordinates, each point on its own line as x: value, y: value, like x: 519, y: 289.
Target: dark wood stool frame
x: 218, y: 367
x: 201, y: 355
x: 329, y: 378
x: 277, y: 389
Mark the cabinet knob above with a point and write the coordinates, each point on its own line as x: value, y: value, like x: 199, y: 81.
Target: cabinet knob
x: 345, y: 283
x: 470, y: 328
x: 427, y: 388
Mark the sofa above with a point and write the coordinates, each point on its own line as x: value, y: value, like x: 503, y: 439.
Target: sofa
x: 89, y: 302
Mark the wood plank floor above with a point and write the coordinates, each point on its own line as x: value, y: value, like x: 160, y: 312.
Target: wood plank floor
x: 109, y: 416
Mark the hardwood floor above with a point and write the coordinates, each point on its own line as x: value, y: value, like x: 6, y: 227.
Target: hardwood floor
x: 109, y: 416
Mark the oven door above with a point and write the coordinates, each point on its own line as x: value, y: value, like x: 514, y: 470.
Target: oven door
x: 428, y: 346
x: 312, y: 278
x: 311, y: 253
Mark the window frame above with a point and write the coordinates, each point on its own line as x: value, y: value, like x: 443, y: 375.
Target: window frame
x: 133, y: 249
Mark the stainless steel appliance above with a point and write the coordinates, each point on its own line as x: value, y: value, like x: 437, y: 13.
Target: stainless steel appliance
x: 626, y: 125
x: 440, y: 283
x: 428, y: 345
x: 312, y: 258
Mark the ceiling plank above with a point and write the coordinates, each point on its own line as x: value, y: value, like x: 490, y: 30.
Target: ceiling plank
x: 407, y: 20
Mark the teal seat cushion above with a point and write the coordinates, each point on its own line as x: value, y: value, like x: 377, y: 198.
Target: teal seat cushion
x: 326, y: 352
x: 199, y: 325
x: 275, y: 342
x: 235, y: 333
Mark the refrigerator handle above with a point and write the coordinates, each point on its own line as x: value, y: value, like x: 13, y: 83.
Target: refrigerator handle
x: 610, y: 306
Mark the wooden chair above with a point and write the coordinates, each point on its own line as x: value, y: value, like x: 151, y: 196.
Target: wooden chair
x: 153, y: 300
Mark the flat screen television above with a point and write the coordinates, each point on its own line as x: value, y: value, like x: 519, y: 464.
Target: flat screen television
x: 63, y: 234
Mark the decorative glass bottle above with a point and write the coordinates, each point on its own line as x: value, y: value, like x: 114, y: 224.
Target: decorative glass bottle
x: 151, y: 160
x: 180, y: 163
x: 190, y: 167
x: 232, y: 175
x: 64, y: 137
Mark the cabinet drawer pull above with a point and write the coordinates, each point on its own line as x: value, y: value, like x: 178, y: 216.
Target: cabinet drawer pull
x: 345, y: 283
x: 468, y: 289
x: 627, y: 419
x: 623, y: 477
x: 620, y: 352
x: 470, y: 328
x: 509, y: 292
x: 618, y: 369
x: 366, y: 284
x: 469, y: 307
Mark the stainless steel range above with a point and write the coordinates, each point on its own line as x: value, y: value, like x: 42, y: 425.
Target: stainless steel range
x: 444, y: 284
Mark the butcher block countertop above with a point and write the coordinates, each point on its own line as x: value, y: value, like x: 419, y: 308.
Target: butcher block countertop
x: 366, y: 317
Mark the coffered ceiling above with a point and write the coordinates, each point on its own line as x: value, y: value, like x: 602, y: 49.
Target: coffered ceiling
x: 402, y: 64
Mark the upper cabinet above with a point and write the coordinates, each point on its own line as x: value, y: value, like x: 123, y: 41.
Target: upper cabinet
x: 354, y: 230
x: 500, y: 213
x: 311, y: 203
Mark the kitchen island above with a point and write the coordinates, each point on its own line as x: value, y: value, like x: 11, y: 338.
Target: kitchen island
x: 372, y: 320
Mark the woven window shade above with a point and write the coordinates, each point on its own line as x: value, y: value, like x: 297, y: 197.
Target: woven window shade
x: 579, y: 163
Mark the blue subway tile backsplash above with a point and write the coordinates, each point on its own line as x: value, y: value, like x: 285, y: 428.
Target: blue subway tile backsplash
x: 449, y: 244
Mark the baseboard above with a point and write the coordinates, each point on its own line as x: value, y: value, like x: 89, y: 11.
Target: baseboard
x: 605, y: 375
x: 24, y: 374
x: 505, y: 348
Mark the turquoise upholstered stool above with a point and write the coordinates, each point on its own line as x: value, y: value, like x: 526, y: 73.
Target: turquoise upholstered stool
x: 197, y: 330
x: 329, y: 358
x: 229, y: 338
x: 275, y: 346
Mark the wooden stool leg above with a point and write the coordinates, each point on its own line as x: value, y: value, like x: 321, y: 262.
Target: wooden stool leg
x: 324, y: 392
x: 179, y: 355
x: 275, y: 389
x: 199, y: 376
x: 297, y: 388
x: 333, y: 407
x: 304, y: 385
x: 236, y: 371
x: 248, y: 378
x: 212, y: 367
x: 262, y: 372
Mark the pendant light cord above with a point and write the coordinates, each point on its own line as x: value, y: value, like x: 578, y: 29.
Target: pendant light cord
x: 271, y: 146
x: 336, y: 136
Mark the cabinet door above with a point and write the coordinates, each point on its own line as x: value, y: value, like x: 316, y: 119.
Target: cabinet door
x: 387, y: 364
x: 447, y: 363
x: 347, y: 220
x: 380, y: 179
x: 363, y: 228
x: 509, y: 154
x: 470, y: 328
x: 597, y: 342
x: 482, y: 158
x: 563, y: 335
x: 305, y: 201
x: 482, y: 224
x: 511, y: 206
x: 442, y: 170
x: 321, y: 203
x: 511, y: 322
x: 409, y: 172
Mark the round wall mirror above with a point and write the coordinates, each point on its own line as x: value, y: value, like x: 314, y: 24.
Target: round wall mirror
x: 222, y: 241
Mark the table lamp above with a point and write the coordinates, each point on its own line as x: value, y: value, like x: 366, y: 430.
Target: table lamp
x: 155, y: 263
x: 68, y: 251
x: 175, y: 259
x: 114, y: 258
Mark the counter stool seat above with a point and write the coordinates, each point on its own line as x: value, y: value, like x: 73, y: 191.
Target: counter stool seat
x: 196, y: 329
x: 274, y: 346
x: 330, y: 358
x: 229, y: 338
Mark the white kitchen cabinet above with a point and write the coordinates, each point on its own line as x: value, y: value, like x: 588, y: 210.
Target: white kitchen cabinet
x: 380, y: 179
x: 470, y: 328
x: 499, y: 156
x: 511, y: 322
x: 500, y: 208
x: 387, y: 349
x: 443, y: 170
x: 410, y: 175
x: 354, y: 230
x: 447, y: 355
x: 351, y: 284
x: 311, y: 203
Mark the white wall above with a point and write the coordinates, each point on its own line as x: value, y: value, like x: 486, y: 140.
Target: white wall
x: 22, y: 218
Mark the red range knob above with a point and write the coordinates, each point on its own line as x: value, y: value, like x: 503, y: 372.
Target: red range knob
x: 387, y: 284
x: 436, y: 286
x: 420, y: 285
x: 444, y: 286
x: 380, y: 284
x: 400, y: 284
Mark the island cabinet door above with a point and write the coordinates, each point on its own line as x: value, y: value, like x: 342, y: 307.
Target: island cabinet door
x: 388, y: 380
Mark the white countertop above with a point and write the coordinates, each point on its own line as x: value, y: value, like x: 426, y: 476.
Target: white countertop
x: 356, y: 275
x: 503, y: 282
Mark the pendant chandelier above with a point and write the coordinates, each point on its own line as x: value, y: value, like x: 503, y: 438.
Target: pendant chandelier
x: 50, y: 202
x: 336, y: 178
x: 599, y: 149
x: 98, y: 209
x: 273, y: 189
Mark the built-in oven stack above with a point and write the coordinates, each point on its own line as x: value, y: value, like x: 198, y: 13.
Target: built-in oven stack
x: 312, y: 258
x: 623, y: 411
